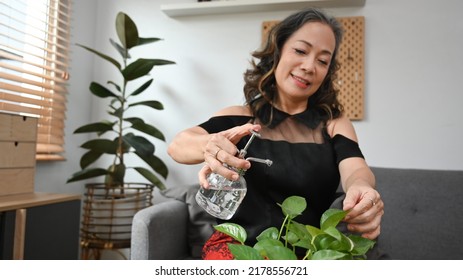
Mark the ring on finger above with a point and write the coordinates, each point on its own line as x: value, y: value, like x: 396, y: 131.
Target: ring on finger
x: 372, y: 201
x: 217, y: 152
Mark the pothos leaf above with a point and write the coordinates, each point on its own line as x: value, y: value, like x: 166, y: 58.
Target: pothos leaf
x: 265, y: 245
x: 244, y: 252
x: 280, y: 253
x: 328, y: 255
x: 270, y: 233
x: 331, y: 218
x: 361, y: 244
x: 293, y: 206
x: 234, y: 230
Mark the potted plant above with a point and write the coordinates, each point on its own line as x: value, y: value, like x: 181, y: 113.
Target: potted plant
x: 324, y: 243
x: 119, y: 136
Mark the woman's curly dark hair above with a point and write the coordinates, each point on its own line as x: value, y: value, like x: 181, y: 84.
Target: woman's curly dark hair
x: 260, y: 83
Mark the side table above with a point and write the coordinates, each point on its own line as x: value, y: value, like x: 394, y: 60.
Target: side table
x: 21, y: 204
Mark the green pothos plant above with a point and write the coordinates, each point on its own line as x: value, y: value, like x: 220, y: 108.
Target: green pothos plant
x: 324, y: 243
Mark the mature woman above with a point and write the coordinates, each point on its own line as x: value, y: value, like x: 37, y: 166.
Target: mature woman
x: 292, y: 102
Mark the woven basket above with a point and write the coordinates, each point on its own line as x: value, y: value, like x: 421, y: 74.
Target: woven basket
x: 108, y: 213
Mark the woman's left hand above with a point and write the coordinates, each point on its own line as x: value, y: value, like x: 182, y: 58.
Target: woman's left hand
x: 366, y: 210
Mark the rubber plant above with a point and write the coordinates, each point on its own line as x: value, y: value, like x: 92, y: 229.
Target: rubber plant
x: 324, y: 243
x: 119, y: 135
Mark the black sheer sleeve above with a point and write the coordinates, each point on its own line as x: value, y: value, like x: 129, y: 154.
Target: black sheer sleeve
x: 221, y: 123
x: 345, y: 148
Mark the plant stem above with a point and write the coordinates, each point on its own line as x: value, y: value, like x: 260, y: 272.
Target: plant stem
x: 282, y: 226
x: 121, y: 117
x: 307, y: 254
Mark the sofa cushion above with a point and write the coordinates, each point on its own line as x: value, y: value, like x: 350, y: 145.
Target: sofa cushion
x: 422, y: 217
x: 200, y: 226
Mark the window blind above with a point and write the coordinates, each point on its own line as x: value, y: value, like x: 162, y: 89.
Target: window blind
x: 34, y: 61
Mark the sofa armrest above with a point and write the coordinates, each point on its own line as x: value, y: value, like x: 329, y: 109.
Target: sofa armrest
x: 159, y: 232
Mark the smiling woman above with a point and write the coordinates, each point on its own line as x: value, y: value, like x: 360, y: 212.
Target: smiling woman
x: 34, y: 58
x: 292, y: 102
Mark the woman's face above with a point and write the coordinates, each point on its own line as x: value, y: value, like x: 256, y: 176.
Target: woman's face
x: 304, y: 63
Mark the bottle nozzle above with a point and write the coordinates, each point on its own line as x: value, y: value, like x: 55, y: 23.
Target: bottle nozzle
x: 244, y: 151
x: 266, y: 161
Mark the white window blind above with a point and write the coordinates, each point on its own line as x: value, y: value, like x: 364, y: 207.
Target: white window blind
x: 34, y: 61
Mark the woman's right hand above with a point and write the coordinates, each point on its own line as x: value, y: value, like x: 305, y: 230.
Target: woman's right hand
x: 221, y: 149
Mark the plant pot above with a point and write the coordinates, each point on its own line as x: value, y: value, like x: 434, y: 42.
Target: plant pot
x: 108, y: 213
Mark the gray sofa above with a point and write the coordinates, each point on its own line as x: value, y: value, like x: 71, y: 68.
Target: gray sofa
x: 422, y: 219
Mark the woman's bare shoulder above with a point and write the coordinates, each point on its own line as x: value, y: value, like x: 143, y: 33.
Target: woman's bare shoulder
x: 342, y: 125
x: 234, y: 111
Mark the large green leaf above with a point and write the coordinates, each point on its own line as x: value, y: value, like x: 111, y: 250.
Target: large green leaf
x: 244, y: 252
x: 346, y: 245
x: 323, y: 241
x: 105, y: 57
x: 263, y: 245
x: 334, y: 232
x: 305, y: 238
x: 156, y: 164
x: 126, y: 30
x: 361, y: 244
x: 144, y: 41
x: 151, y: 177
x: 140, y: 144
x: 86, y: 174
x: 305, y: 243
x: 150, y: 103
x: 328, y: 255
x: 140, y: 125
x: 331, y: 218
x: 101, y: 145
x: 269, y: 233
x: 142, y: 88
x: 266, y: 242
x: 101, y: 91
x: 313, y: 231
x: 89, y: 158
x: 293, y: 206
x: 142, y: 67
x: 236, y: 231
x: 98, y: 127
x: 280, y: 253
x: 291, y: 237
x: 299, y: 229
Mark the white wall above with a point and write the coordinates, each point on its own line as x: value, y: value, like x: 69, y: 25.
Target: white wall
x: 413, y: 93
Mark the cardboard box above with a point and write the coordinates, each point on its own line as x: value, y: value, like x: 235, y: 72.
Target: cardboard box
x: 18, y: 142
